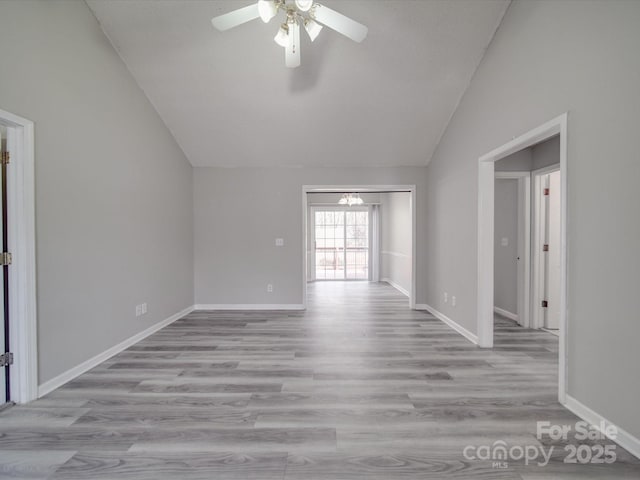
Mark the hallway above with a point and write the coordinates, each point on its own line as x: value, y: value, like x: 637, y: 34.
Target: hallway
x: 358, y: 386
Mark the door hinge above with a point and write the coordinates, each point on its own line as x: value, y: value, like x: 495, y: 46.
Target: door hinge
x: 6, y: 156
x: 545, y: 304
x: 5, y: 258
x: 545, y: 247
x: 6, y: 359
x: 546, y: 191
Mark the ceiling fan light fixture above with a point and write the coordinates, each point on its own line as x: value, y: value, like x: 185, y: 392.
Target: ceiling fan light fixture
x: 304, y: 5
x: 299, y: 13
x: 292, y: 50
x: 313, y: 28
x: 282, y: 37
x: 268, y: 9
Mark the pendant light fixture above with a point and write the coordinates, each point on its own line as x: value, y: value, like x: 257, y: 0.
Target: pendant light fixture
x: 350, y: 199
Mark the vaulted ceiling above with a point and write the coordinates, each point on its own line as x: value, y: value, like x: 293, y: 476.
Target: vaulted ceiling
x: 229, y: 100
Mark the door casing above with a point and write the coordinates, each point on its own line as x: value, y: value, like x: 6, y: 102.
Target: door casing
x: 486, y: 179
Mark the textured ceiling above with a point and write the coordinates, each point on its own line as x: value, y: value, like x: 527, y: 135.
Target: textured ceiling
x: 229, y: 100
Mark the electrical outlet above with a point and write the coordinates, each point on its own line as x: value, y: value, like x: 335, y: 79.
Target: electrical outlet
x: 270, y: 288
x: 453, y: 301
x: 279, y: 242
x: 446, y: 297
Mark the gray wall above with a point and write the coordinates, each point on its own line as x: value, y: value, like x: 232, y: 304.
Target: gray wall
x: 505, y: 272
x: 544, y: 154
x: 521, y: 161
x: 395, y: 248
x: 239, y: 212
x: 113, y: 190
x: 548, y: 58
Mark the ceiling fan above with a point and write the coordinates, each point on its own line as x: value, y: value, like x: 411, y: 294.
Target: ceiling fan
x: 306, y: 13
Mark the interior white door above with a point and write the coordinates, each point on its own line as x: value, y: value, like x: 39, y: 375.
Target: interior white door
x: 3, y: 370
x: 552, y: 312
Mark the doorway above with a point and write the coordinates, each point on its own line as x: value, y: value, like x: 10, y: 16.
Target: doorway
x: 344, y: 243
x: 486, y: 223
x: 512, y: 252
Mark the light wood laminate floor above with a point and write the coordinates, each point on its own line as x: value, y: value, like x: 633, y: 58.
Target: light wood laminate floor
x: 357, y: 387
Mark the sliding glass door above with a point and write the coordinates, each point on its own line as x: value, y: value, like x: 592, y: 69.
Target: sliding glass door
x: 341, y: 247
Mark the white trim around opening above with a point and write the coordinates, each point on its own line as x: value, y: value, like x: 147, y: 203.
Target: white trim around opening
x: 361, y: 189
x: 486, y: 179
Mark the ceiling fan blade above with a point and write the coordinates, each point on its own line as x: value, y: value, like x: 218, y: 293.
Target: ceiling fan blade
x: 341, y: 24
x: 235, y: 18
x: 292, y: 50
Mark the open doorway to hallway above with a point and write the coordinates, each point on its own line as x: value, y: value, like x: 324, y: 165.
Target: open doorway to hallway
x: 360, y: 234
x: 527, y: 236
x: 552, y: 135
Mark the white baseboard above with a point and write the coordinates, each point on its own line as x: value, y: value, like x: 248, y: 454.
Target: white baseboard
x: 250, y: 306
x: 472, y: 337
x: 506, y: 313
x: 72, y: 373
x: 396, y: 286
x: 624, y: 438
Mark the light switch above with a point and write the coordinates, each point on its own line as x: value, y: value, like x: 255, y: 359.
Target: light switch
x: 505, y: 242
x: 279, y: 242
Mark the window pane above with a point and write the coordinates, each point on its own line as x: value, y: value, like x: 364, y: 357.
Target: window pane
x: 351, y: 257
x: 328, y: 218
x: 330, y: 259
x: 350, y: 217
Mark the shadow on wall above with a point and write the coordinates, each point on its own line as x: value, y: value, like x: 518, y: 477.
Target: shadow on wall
x: 305, y: 77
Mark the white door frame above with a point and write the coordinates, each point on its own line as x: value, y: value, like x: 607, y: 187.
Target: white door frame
x: 361, y: 189
x: 486, y: 180
x: 22, y: 279
x: 524, y: 244
x: 537, y: 293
